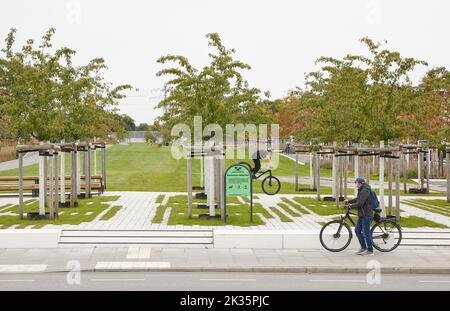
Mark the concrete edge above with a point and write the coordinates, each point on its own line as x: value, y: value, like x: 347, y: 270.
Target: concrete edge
x: 323, y: 269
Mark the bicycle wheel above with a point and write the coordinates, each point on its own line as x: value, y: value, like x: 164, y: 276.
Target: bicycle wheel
x: 271, y: 185
x: 335, y: 236
x: 386, y: 235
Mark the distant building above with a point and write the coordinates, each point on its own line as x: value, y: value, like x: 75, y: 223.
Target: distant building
x: 139, y: 136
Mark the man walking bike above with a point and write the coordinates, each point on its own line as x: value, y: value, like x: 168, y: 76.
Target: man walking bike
x: 365, y: 216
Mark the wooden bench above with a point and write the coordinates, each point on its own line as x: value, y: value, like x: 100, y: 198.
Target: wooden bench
x: 36, y: 178
x: 34, y: 187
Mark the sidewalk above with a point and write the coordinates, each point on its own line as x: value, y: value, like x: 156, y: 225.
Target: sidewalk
x: 433, y: 260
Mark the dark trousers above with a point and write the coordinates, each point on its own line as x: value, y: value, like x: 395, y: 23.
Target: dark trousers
x: 257, y: 166
x: 362, y: 231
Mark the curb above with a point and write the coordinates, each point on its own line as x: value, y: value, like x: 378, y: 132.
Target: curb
x: 393, y: 270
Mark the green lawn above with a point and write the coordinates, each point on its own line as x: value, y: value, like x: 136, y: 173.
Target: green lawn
x: 111, y: 212
x: 417, y: 222
x: 435, y: 206
x: 86, y: 211
x: 144, y: 167
x: 405, y: 222
x: 286, y: 208
x: 280, y: 215
x: 238, y: 213
x: 295, y: 205
x: 322, y: 208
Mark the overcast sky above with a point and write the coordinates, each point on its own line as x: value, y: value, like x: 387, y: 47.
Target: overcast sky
x: 279, y: 39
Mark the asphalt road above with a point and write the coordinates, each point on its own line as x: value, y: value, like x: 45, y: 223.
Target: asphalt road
x: 170, y: 281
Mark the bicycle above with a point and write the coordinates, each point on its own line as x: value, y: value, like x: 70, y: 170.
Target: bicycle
x: 270, y: 184
x: 337, y: 233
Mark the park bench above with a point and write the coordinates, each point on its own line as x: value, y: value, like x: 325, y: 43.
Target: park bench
x: 31, y: 183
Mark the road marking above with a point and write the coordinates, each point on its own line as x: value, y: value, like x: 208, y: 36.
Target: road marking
x: 23, y: 268
x: 434, y: 281
x: 239, y: 280
x: 352, y: 281
x: 116, y: 280
x: 131, y: 265
x: 17, y: 280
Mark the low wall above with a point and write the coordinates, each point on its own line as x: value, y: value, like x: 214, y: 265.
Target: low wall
x: 271, y: 239
x: 29, y: 238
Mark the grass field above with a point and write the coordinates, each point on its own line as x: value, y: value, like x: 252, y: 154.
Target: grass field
x: 144, y: 167
x: 238, y: 213
x: 435, y: 206
x: 86, y: 211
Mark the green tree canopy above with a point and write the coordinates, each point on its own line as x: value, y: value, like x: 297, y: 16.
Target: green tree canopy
x: 358, y: 98
x: 46, y: 97
x: 218, y: 92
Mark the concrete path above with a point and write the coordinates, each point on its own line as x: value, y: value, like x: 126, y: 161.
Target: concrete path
x: 402, y: 260
x: 28, y: 159
x: 139, y: 208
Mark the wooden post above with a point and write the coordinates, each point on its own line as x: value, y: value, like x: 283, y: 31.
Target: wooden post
x: 63, y: 177
x: 104, y: 166
x: 337, y: 178
x: 311, y: 170
x: 51, y: 188
x: 317, y: 169
x: 368, y: 171
x: 447, y: 156
x: 381, y: 182
x: 202, y: 181
x: 428, y: 169
x: 397, y: 190
x: 356, y: 171
x: 390, y: 186
x: 405, y: 173
x: 296, y: 171
x: 21, y: 185
x: 333, y: 173
x: 56, y: 198
x: 222, y: 187
x: 346, y: 160
x: 42, y: 188
x: 88, y: 172
x: 189, y: 184
x: 78, y: 176
x: 420, y: 167
x: 73, y: 177
x: 210, y: 195
x: 95, y: 161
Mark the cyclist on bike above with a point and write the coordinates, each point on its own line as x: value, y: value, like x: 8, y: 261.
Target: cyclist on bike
x: 365, y: 216
x: 257, y: 156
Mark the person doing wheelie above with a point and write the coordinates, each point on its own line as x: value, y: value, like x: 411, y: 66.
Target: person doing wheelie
x: 257, y: 156
x: 365, y: 216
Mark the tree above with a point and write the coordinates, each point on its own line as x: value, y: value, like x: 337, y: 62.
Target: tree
x: 286, y: 116
x: 358, y: 98
x: 47, y: 98
x: 217, y: 92
x: 143, y: 127
x: 128, y: 122
x: 429, y: 114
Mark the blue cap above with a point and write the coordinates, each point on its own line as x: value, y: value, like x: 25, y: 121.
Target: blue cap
x: 360, y: 180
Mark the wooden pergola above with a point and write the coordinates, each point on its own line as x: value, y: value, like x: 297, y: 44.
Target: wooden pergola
x: 48, y: 177
x: 52, y: 178
x: 340, y: 156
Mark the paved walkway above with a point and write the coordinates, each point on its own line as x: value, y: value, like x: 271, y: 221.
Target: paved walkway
x: 405, y: 260
x: 139, y: 208
x: 28, y: 159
